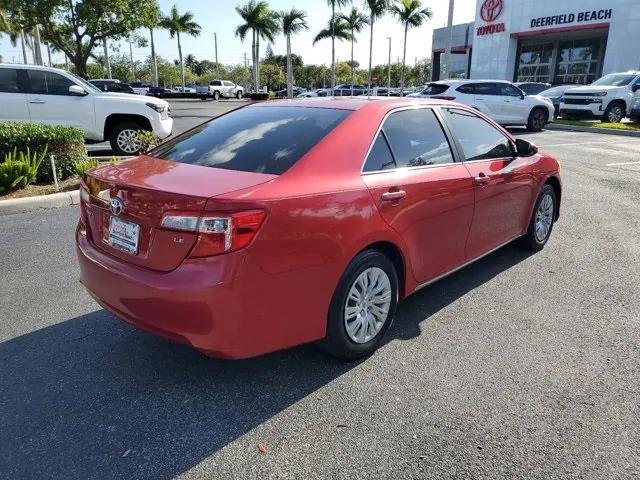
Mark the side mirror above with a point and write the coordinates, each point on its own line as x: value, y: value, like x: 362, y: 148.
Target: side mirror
x: 76, y: 90
x: 523, y: 96
x: 525, y: 148
x: 636, y: 87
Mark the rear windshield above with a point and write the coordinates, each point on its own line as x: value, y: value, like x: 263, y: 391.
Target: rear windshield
x: 435, y: 89
x: 254, y: 139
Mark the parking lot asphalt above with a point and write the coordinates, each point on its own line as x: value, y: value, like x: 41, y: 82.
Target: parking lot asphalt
x: 519, y: 366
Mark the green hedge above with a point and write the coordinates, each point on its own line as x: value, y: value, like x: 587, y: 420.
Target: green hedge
x: 259, y: 96
x: 65, y: 143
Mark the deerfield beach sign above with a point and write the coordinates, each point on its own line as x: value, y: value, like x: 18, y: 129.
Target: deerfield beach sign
x: 575, y: 17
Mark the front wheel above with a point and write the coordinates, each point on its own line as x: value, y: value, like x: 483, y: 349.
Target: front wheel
x: 124, y: 139
x: 541, y: 223
x: 239, y: 94
x: 216, y: 95
x: 537, y: 120
x: 614, y: 113
x: 362, y: 307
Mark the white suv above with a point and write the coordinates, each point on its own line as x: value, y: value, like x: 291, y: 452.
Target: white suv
x: 225, y: 88
x: 609, y: 98
x: 37, y: 94
x: 501, y: 100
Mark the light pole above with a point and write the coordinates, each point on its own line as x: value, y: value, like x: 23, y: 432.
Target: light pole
x: 215, y: 41
x: 389, y: 70
x: 447, y: 57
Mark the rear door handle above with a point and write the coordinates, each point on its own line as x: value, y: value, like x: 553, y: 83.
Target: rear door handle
x: 393, y: 196
x: 37, y: 101
x: 481, y: 179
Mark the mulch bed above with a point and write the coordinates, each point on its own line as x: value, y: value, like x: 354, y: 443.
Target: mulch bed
x: 35, y: 190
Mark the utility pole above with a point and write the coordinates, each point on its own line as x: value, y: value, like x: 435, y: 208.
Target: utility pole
x: 447, y: 58
x: 49, y: 55
x: 389, y: 70
x: 245, y: 60
x: 107, y: 62
x: 133, y: 66
x: 215, y: 41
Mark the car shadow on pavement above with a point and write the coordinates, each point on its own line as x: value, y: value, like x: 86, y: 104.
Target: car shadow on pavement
x: 92, y: 397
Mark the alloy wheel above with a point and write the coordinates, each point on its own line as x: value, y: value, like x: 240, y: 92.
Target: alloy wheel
x: 615, y: 114
x: 544, y: 218
x: 128, y: 141
x: 367, y: 306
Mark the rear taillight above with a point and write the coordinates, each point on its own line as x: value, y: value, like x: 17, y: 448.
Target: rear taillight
x: 443, y: 97
x: 219, y: 234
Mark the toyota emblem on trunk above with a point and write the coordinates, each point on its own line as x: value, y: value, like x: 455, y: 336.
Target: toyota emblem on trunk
x: 491, y: 9
x: 116, y: 206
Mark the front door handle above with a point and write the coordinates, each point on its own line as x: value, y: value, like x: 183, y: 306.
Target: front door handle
x: 393, y: 196
x: 37, y: 101
x: 481, y: 179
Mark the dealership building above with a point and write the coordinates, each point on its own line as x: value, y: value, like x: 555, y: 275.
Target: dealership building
x: 553, y: 41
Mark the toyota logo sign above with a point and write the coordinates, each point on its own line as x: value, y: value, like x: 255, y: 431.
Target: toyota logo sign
x: 491, y: 9
x: 116, y: 206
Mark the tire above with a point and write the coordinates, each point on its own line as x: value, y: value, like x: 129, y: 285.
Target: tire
x: 368, y: 330
x: 216, y: 95
x: 204, y: 99
x: 239, y: 94
x: 534, y: 240
x: 122, y: 140
x: 538, y: 118
x: 614, y: 113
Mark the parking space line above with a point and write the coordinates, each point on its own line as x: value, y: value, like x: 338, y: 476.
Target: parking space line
x: 622, y: 163
x: 574, y: 144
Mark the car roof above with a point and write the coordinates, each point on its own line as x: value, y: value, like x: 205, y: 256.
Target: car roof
x: 22, y: 66
x: 353, y: 103
x: 466, y: 80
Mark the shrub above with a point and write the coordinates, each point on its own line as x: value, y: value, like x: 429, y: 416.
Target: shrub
x: 148, y: 140
x: 19, y: 169
x: 259, y: 96
x: 82, y: 166
x: 65, y: 143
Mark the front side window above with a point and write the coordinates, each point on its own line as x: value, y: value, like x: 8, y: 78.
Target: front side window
x: 508, y: 90
x: 267, y: 139
x: 228, y: 84
x: 9, y: 80
x: 479, y: 139
x: 216, y: 83
x: 49, y: 83
x: 417, y: 139
x: 486, y: 88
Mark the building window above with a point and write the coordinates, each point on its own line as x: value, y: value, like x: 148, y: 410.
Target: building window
x: 578, y: 61
x: 535, y: 63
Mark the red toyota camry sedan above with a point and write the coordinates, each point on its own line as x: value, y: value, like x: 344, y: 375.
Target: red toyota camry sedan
x: 284, y: 223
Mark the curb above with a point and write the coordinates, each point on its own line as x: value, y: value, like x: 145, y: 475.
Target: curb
x: 605, y: 131
x: 28, y: 204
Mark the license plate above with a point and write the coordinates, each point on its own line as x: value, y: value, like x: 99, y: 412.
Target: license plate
x: 124, y: 235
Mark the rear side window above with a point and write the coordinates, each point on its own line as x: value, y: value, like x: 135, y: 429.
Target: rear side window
x: 479, y: 139
x: 469, y: 88
x: 48, y: 83
x: 9, y: 80
x: 216, y: 83
x: 435, y: 89
x: 254, y: 139
x: 380, y: 157
x: 416, y: 138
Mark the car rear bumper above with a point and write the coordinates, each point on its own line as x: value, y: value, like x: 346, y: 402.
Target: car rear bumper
x: 194, y: 304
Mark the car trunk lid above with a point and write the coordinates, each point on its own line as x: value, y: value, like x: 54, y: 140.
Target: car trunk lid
x: 144, y: 190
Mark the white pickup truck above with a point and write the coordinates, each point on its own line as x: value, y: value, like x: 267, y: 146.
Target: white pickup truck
x: 609, y: 98
x: 36, y: 94
x: 223, y: 88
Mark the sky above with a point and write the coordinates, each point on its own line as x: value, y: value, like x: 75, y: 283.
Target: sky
x: 219, y: 16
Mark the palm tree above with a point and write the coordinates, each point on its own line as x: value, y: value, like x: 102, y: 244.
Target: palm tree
x: 355, y: 22
x: 377, y: 8
x: 151, y: 23
x: 333, y: 24
x: 292, y: 22
x: 337, y: 29
x: 410, y: 14
x: 177, y: 24
x: 264, y: 24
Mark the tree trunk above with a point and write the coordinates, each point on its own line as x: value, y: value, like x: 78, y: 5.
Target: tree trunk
x: 182, y: 64
x: 333, y: 47
x: 253, y: 60
x: 37, y: 47
x: 352, y: 65
x: 154, y: 61
x: 133, y: 67
x: 370, y: 51
x: 23, y: 44
x: 258, y: 61
x: 107, y: 62
x: 289, y: 69
x: 404, y: 58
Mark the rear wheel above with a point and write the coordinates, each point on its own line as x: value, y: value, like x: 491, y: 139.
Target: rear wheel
x: 614, y: 113
x: 362, y: 307
x: 537, y: 120
x: 239, y: 94
x: 124, y: 139
x: 541, y: 223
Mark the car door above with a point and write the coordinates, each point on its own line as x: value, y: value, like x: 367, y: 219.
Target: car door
x: 487, y: 99
x: 421, y: 191
x: 503, y: 183
x: 50, y: 101
x: 13, y: 98
x: 515, y: 106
